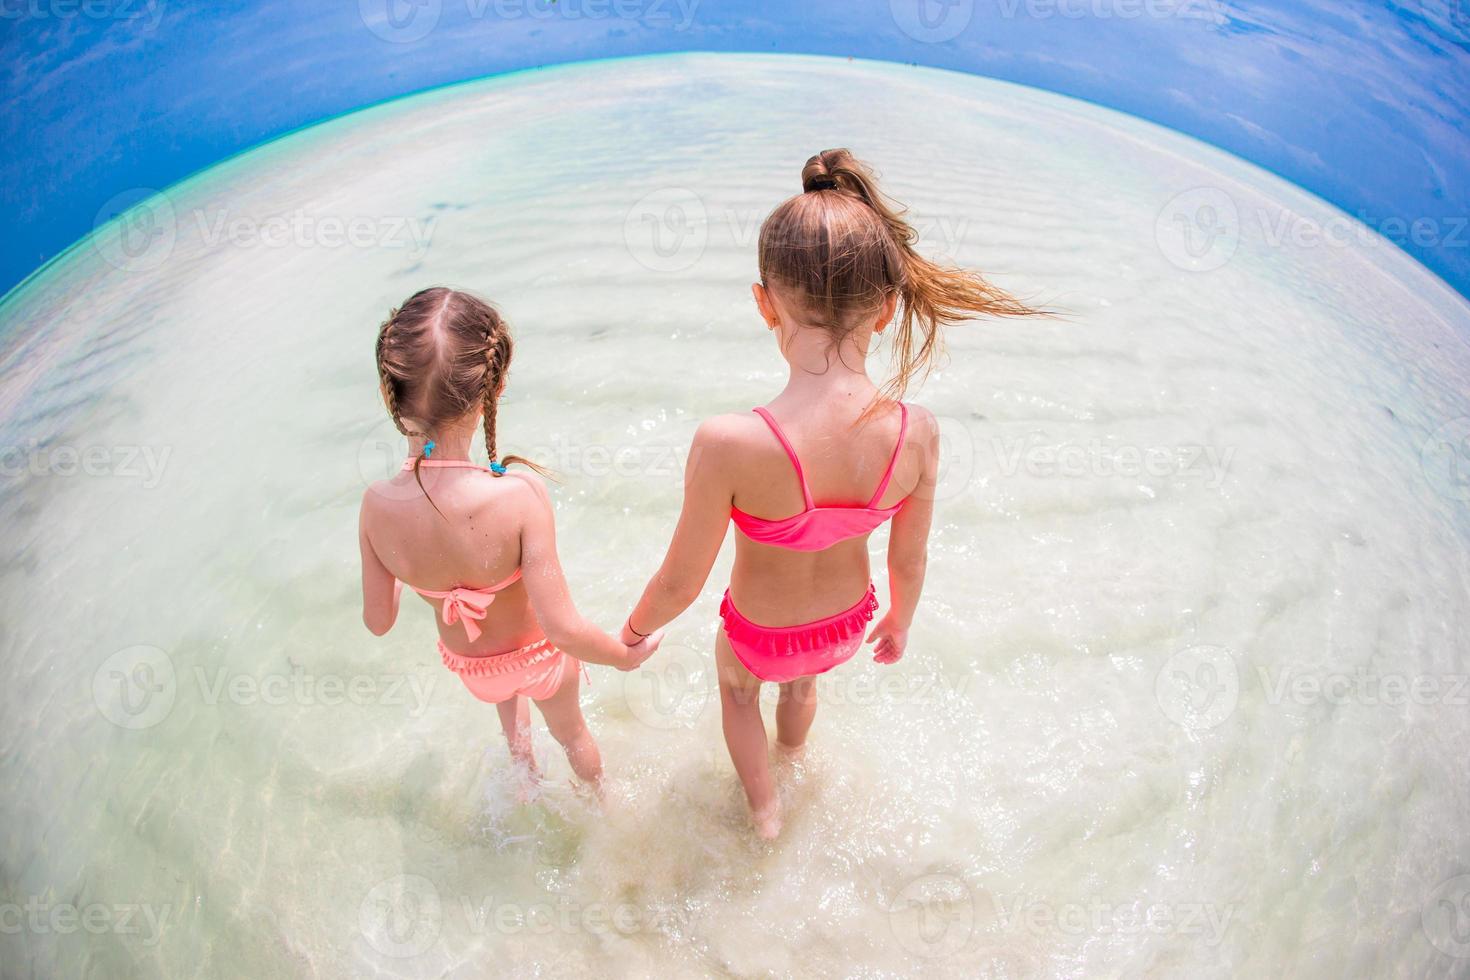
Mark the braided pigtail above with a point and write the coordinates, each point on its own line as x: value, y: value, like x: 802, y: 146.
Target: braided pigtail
x: 390, y: 380
x: 442, y: 357
x: 498, y: 350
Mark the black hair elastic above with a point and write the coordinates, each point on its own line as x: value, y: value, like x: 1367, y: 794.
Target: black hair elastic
x: 822, y: 182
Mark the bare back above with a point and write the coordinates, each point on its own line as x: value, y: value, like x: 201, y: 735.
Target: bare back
x: 472, y: 541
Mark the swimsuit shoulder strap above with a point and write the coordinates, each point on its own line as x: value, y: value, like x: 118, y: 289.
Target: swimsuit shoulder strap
x: 806, y: 494
x: 903, y: 428
x: 442, y: 463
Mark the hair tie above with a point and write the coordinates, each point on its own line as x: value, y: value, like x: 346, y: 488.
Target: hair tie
x: 497, y: 467
x: 822, y: 182
x: 428, y: 449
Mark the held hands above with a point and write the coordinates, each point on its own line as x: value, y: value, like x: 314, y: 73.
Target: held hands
x: 627, y: 636
x: 892, y: 640
x: 640, y: 648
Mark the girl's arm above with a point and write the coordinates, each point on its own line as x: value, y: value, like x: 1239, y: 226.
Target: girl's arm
x: 551, y: 600
x: 701, y: 529
x: 380, y: 590
x: 908, y: 550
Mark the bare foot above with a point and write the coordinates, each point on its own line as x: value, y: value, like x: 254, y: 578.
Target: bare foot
x: 527, y: 781
x: 589, y: 792
x: 528, y: 789
x: 790, y: 753
x: 767, y: 821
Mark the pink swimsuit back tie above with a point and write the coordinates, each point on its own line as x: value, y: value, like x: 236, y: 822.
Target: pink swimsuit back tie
x: 468, y: 605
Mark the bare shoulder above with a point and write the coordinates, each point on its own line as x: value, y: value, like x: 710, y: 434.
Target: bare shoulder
x: 520, y: 491
x: 923, y: 439
x: 922, y: 423
x: 721, y: 439
x: 731, y: 429
x: 374, y: 501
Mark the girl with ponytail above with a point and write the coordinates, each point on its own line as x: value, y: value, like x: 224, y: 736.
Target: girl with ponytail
x: 481, y: 550
x: 810, y: 475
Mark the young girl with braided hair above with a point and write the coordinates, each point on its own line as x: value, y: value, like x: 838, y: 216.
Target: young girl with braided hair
x: 477, y: 543
x: 837, y: 264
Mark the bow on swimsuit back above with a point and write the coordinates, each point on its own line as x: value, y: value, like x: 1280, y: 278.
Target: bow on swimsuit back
x: 462, y: 604
x: 818, y: 528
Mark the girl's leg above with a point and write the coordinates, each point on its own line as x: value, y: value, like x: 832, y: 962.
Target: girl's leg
x: 794, y: 713
x: 563, y: 714
x: 745, y: 737
x: 515, y: 718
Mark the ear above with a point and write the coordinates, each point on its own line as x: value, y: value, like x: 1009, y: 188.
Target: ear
x: 886, y: 311
x: 766, y: 305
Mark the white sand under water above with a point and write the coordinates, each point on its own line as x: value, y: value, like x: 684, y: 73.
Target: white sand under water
x: 1186, y: 695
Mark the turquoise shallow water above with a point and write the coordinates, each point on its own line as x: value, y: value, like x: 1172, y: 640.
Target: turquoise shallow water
x: 1186, y: 694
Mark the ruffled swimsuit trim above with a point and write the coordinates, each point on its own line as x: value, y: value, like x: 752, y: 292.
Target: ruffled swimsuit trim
x: 784, y: 653
x: 521, y: 658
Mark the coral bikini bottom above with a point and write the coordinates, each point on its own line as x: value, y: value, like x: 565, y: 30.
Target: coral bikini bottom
x: 784, y: 653
x: 535, y: 671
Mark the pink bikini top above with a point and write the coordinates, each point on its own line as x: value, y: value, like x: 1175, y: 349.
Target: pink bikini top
x: 818, y: 528
x: 460, y: 604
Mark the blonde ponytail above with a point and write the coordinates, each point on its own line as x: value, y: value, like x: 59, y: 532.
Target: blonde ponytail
x: 841, y: 247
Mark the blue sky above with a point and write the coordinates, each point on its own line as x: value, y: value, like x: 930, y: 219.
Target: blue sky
x: 1365, y: 104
